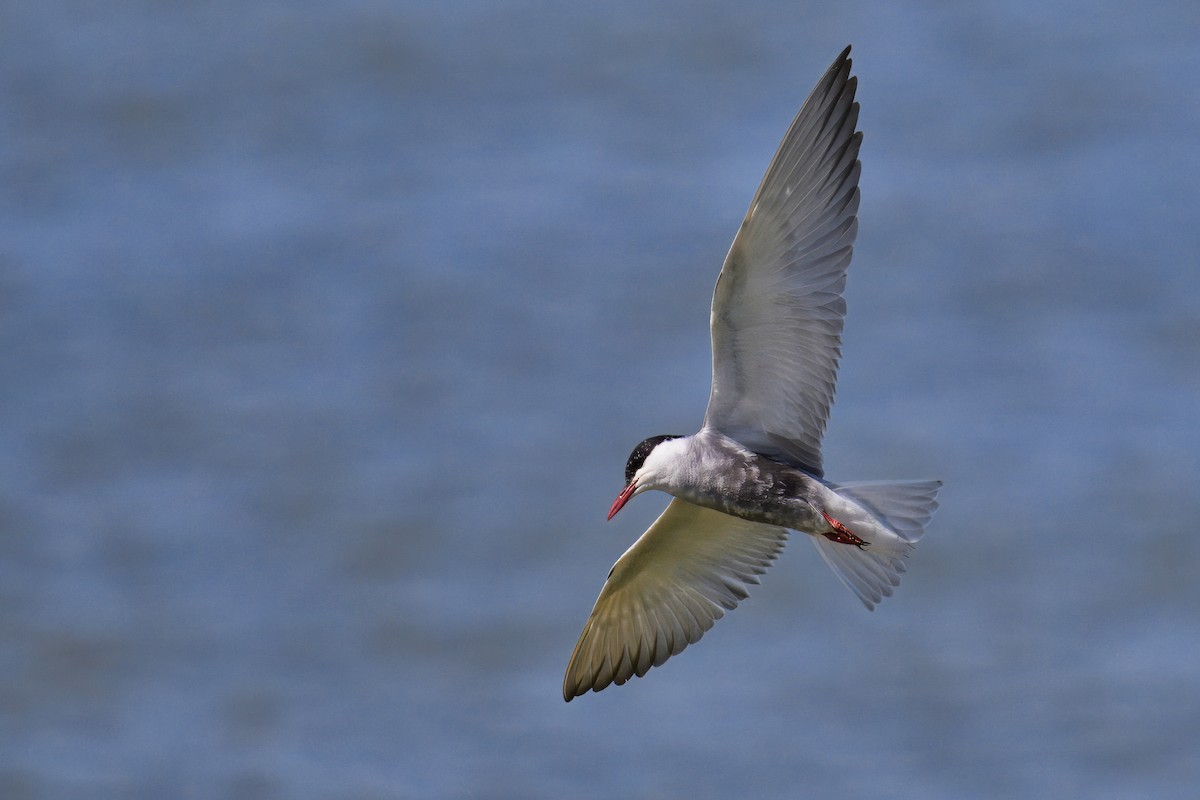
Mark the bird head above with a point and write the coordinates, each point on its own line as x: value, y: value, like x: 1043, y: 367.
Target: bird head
x: 639, y: 475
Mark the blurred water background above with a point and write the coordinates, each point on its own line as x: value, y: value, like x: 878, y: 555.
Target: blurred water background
x: 326, y: 329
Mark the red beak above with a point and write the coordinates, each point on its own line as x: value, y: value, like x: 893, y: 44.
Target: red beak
x: 622, y: 499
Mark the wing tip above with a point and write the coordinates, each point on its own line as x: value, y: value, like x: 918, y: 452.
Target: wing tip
x: 571, y: 691
x: 843, y: 61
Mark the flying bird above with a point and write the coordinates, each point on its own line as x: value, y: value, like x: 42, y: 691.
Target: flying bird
x: 753, y: 471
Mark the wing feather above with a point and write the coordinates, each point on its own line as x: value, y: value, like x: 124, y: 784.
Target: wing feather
x: 681, y: 576
x: 778, y: 309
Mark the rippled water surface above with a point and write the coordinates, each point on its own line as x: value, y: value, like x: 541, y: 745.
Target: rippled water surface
x: 325, y: 330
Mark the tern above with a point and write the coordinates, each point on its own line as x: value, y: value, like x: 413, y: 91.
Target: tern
x: 753, y: 471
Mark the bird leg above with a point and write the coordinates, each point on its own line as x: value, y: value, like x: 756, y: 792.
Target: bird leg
x: 841, y: 534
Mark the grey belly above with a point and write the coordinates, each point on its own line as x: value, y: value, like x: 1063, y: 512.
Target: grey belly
x: 757, y: 489
x: 793, y: 513
x: 787, y: 512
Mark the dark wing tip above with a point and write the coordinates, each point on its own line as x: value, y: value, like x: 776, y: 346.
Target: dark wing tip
x: 842, y: 62
x: 573, y: 687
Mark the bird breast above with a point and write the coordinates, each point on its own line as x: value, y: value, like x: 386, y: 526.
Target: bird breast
x: 755, y: 488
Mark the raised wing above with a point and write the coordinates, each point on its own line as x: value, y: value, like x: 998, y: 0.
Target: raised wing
x: 678, y: 579
x: 777, y: 310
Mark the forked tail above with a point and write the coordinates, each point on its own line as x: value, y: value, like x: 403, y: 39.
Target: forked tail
x: 900, y: 510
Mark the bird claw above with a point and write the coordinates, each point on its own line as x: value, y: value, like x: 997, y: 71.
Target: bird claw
x: 841, y: 534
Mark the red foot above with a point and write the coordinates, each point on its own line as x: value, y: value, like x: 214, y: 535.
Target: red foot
x: 841, y: 534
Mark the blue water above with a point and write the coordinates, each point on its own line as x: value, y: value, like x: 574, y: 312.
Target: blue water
x: 325, y: 330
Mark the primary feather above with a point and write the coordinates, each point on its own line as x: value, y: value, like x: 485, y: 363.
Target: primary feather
x: 777, y: 310
x: 690, y: 567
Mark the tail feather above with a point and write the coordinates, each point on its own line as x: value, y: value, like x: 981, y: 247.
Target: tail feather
x: 904, y: 506
x: 901, y: 510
